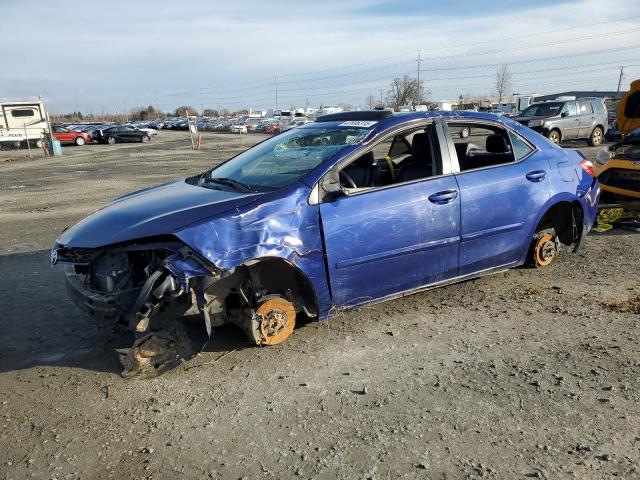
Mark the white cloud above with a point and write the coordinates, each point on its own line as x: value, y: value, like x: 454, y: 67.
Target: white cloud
x: 99, y: 56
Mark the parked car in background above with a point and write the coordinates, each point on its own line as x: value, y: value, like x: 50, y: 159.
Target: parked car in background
x: 64, y: 135
x: 585, y: 118
x: 618, y: 171
x: 238, y: 128
x: 272, y: 128
x: 308, y: 222
x: 121, y: 133
x: 295, y: 123
x: 152, y: 132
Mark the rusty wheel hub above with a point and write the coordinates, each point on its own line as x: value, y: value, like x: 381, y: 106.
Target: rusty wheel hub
x: 546, y: 249
x: 275, y: 319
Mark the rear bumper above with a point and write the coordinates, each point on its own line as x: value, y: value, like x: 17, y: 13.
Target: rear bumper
x: 591, y: 200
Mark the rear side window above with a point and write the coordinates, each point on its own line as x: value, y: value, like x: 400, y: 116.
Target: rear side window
x: 585, y: 108
x: 22, y: 112
x: 521, y: 149
x: 485, y: 146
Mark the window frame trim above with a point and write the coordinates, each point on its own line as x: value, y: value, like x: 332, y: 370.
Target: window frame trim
x: 315, y: 196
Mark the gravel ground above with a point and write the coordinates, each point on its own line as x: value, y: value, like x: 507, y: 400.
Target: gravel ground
x: 525, y: 374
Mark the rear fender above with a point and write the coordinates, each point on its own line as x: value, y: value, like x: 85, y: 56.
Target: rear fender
x: 576, y: 230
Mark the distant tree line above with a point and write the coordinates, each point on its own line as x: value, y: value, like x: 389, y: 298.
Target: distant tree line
x: 408, y: 91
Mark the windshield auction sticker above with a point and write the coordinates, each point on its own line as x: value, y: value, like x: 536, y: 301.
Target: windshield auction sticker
x: 358, y: 123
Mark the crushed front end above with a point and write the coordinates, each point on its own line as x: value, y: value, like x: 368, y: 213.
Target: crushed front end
x: 145, y: 287
x: 170, y: 298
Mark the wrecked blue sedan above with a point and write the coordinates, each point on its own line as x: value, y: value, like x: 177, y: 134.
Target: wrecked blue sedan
x: 354, y: 208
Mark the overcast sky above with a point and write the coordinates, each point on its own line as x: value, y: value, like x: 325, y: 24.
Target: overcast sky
x: 103, y: 56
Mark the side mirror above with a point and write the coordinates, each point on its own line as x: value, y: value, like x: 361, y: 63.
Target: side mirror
x: 564, y: 114
x: 603, y: 156
x: 330, y: 185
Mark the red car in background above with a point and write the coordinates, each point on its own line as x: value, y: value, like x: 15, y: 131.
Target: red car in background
x: 272, y: 128
x: 64, y: 135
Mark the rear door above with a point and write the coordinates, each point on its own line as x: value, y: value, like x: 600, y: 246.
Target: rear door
x: 587, y: 119
x: 392, y: 238
x: 503, y: 185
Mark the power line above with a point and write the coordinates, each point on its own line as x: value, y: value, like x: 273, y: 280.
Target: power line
x: 387, y: 77
x: 449, y: 57
x: 499, y: 40
x: 604, y: 66
x: 534, y: 60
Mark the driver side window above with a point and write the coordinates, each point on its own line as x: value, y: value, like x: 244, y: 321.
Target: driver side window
x: 570, y: 108
x: 402, y: 157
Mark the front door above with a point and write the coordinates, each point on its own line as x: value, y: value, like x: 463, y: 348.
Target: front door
x: 389, y: 235
x: 569, y: 121
x: 62, y: 134
x: 390, y: 240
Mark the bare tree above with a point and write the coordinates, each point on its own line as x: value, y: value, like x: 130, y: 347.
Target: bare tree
x: 371, y: 101
x: 184, y: 111
x: 503, y: 81
x: 404, y: 91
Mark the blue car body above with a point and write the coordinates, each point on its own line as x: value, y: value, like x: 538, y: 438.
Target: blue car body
x: 360, y: 245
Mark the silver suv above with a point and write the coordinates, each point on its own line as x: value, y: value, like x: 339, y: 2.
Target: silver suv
x: 585, y: 118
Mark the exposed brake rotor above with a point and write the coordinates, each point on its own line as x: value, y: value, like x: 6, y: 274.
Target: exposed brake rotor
x: 545, y: 249
x: 273, y: 321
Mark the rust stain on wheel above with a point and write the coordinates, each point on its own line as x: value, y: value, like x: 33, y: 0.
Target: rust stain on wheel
x: 545, y: 250
x: 276, y: 321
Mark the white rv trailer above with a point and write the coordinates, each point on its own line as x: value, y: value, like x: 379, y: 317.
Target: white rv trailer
x: 22, y: 121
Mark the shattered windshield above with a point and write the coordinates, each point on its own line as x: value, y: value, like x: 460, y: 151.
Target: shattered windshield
x: 283, y: 159
x: 542, y: 110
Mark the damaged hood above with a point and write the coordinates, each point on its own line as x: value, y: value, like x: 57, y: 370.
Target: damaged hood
x: 150, y: 212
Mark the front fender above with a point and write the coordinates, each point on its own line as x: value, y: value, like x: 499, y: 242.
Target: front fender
x: 283, y: 225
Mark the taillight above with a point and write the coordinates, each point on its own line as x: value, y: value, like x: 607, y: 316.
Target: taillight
x: 587, y: 166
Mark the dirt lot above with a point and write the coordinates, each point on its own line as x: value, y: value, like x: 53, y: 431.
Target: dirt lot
x: 526, y: 374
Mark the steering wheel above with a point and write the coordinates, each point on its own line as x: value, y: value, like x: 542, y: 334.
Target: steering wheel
x: 347, y: 178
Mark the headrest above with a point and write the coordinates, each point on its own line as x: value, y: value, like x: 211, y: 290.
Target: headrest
x: 419, y: 145
x: 496, y: 144
x: 365, y: 160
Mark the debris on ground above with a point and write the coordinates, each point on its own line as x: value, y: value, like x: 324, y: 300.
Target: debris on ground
x: 631, y: 305
x: 609, y: 218
x: 160, y: 351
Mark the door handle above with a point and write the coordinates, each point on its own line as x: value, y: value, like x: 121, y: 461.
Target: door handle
x: 444, y: 197
x: 536, y: 175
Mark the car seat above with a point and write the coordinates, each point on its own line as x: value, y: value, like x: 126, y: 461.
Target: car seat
x: 420, y: 164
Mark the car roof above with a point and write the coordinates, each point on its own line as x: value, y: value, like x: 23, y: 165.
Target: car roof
x: 380, y: 122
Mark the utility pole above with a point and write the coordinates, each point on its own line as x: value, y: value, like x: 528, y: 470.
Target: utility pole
x: 381, y: 100
x: 620, y: 81
x: 275, y: 83
x: 419, y: 93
